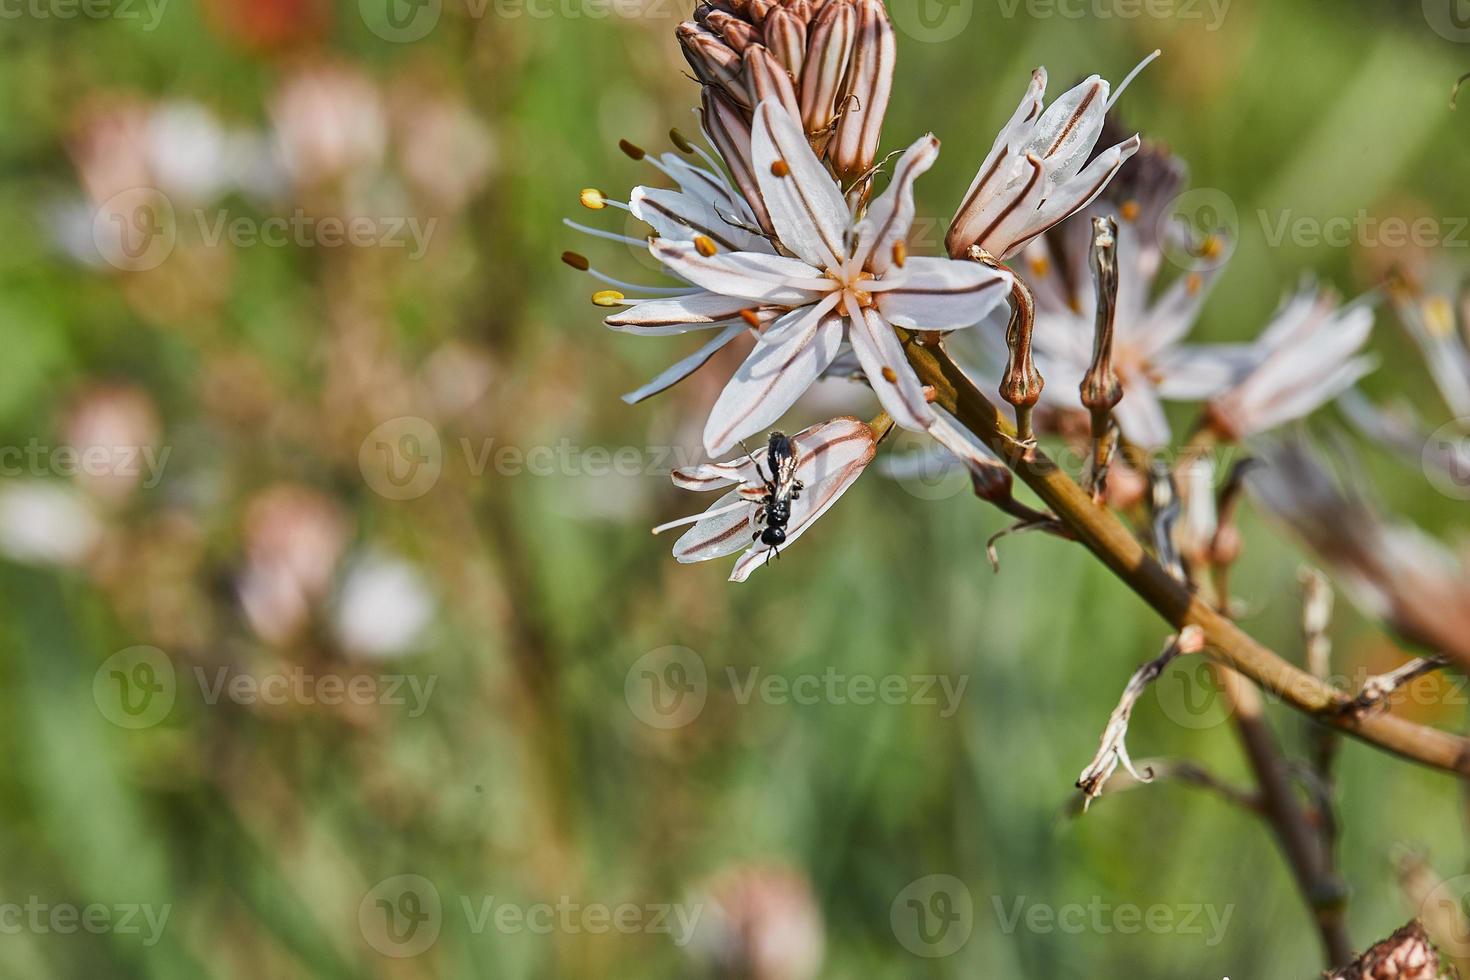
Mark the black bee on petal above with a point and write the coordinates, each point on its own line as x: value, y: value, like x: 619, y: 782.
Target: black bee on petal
x: 782, y: 487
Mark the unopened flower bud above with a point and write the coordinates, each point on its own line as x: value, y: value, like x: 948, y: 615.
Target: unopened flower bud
x: 730, y: 133
x: 829, y: 48
x: 870, y: 84
x: 713, y: 61
x: 766, y: 79
x: 786, y: 38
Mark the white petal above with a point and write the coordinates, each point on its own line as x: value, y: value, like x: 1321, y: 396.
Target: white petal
x: 805, y: 204
x: 1007, y: 215
x: 1069, y: 128
x: 1141, y: 416
x: 966, y: 225
x: 748, y: 275
x: 827, y: 449
x: 665, y: 317
x: 713, y: 476
x: 1078, y: 192
x: 889, y: 373
x: 717, y: 536
x: 1170, y: 317
x: 889, y: 218
x: 942, y: 294
x: 679, y: 217
x: 687, y: 366
x: 770, y: 381
x: 1201, y: 371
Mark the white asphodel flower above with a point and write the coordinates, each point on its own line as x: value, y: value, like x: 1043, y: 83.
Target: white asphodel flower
x: 1307, y: 356
x: 830, y: 458
x: 1037, y: 173
x: 836, y: 278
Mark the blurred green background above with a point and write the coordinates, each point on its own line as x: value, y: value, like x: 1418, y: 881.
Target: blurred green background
x: 451, y: 672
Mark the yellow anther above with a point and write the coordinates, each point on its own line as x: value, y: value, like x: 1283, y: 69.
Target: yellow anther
x: 1040, y: 265
x: 890, y: 375
x: 900, y: 253
x: 608, y: 297
x: 751, y: 317
x: 576, y: 260
x: 1194, y: 283
x: 1211, y: 247
x: 1129, y: 211
x: 705, y: 245
x: 592, y: 199
x: 781, y: 168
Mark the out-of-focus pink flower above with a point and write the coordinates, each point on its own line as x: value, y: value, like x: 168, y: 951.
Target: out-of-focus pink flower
x: 330, y: 125
x: 114, y: 431
x: 760, y: 922
x: 293, y: 537
x: 445, y: 150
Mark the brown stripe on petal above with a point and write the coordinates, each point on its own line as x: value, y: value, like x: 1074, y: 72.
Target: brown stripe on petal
x: 837, y: 248
x: 959, y: 239
x: 1092, y: 191
x: 699, y: 230
x: 786, y: 37
x: 751, y: 404
x: 948, y: 291
x: 1076, y: 118
x: 766, y: 79
x: 730, y: 133
x: 1016, y: 199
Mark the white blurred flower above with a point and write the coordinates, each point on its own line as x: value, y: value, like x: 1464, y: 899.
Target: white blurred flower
x: 1150, y: 361
x: 382, y: 607
x: 1307, y: 356
x: 46, y: 523
x: 1391, y: 570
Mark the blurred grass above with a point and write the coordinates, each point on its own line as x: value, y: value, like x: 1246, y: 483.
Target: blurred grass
x: 529, y: 778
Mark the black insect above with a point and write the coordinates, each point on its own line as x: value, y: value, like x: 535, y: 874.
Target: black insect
x: 782, y: 487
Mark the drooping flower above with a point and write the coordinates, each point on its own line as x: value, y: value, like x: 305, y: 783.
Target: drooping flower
x: 1150, y: 362
x: 1391, y: 570
x: 1307, y: 356
x: 1038, y: 173
x: 830, y: 458
x: 837, y: 277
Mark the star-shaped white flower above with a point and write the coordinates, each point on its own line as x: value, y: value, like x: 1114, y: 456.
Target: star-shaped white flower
x: 830, y: 458
x: 1307, y: 356
x: 836, y: 278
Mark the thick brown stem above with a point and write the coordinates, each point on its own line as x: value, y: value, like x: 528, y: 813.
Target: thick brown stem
x: 1101, y: 531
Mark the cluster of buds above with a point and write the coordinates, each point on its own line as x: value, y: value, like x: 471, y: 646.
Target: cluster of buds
x: 828, y: 62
